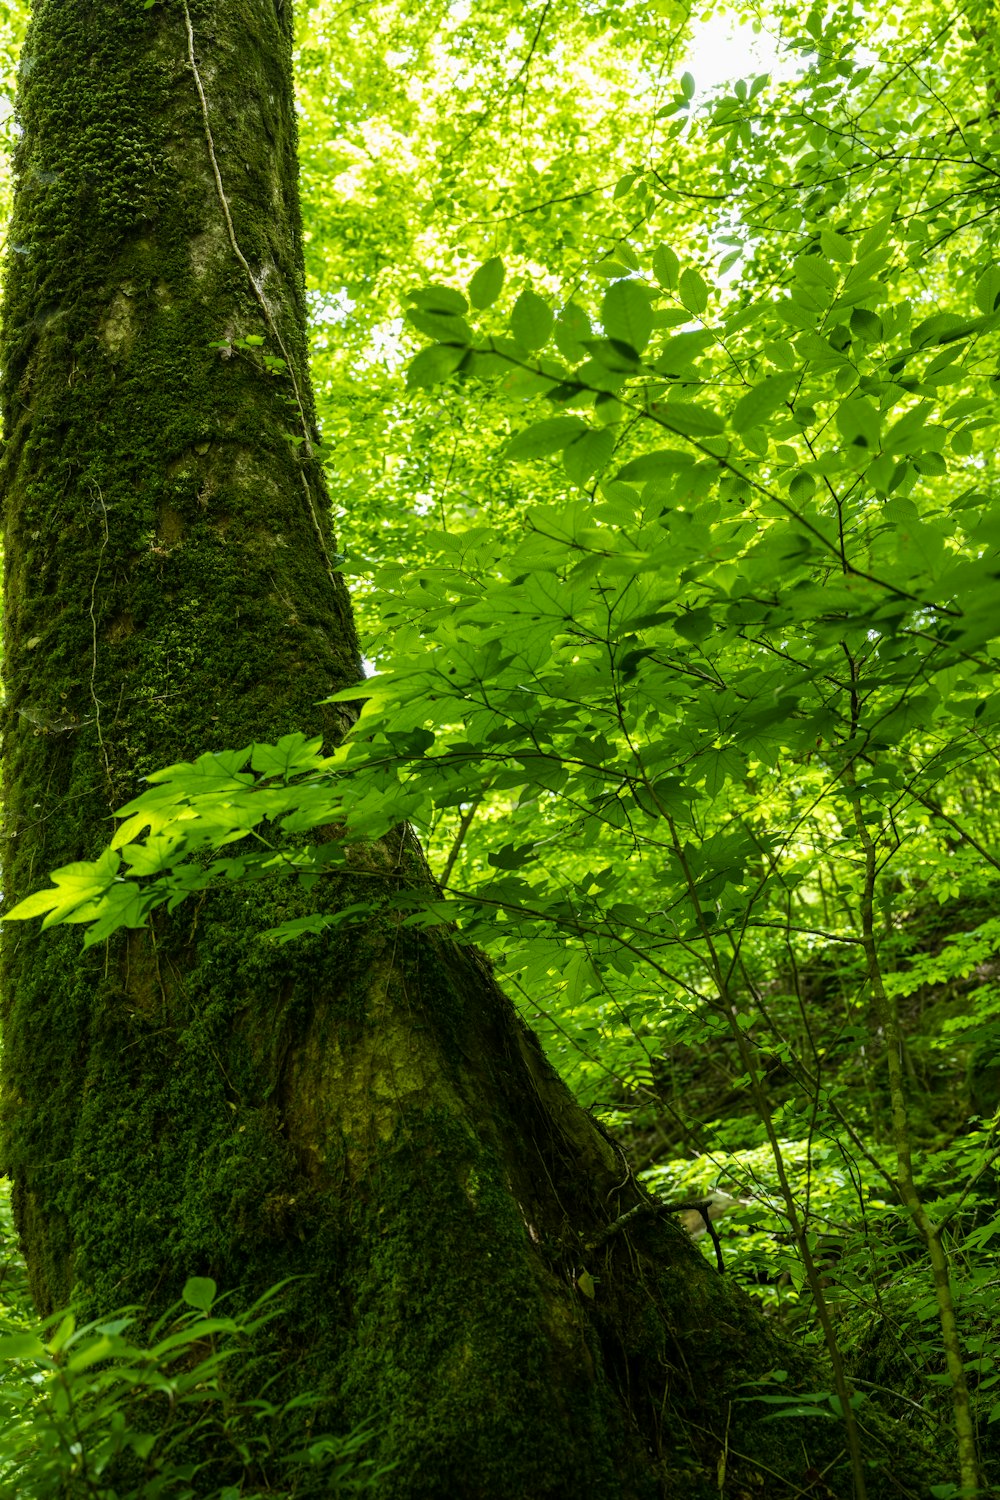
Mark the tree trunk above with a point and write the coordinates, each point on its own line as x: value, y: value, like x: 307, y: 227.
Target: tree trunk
x: 365, y: 1112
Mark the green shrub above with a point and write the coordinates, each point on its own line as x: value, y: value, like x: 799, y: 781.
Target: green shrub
x: 87, y: 1411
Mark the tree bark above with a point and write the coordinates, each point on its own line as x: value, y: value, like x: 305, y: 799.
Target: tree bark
x: 364, y: 1112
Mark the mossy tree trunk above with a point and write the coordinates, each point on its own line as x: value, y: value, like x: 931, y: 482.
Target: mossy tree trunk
x: 366, y: 1113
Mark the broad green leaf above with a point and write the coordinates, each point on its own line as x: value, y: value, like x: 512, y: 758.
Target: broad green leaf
x: 693, y: 290
x: 613, y: 354
x: 91, y: 1354
x: 801, y: 487
x: 487, y: 283
x: 859, y: 423
x: 866, y: 325
x: 762, y: 401
x: 666, y: 267
x: 290, y: 756
x: 531, y: 320
x: 943, y: 327
x: 907, y: 435
x: 439, y: 299
x: 988, y: 290
x: 796, y: 1411
x: 695, y: 624
x: 75, y: 886
x: 836, y: 246
x: 447, y: 328
x: 22, y: 1346
x: 433, y: 365
x: 659, y: 462
x: 155, y: 854
x: 693, y: 421
x: 572, y: 328
x: 199, y: 1292
x: 215, y: 771
x: 680, y: 353
x: 549, y: 436
x: 627, y: 314
x: 129, y: 905
x: 588, y: 454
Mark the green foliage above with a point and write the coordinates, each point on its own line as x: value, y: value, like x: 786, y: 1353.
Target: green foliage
x: 89, y: 1410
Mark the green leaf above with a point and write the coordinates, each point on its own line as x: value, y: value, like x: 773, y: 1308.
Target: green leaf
x: 859, y: 423
x: 988, y: 290
x: 654, y: 465
x: 691, y: 420
x: 215, y: 771
x: 687, y: 85
x: 907, y: 435
x: 439, y: 299
x: 572, y: 328
x: 588, y: 454
x: 447, y: 328
x: 801, y: 487
x: 613, y: 354
x: 680, y: 354
x: 796, y: 1411
x: 836, y: 246
x: 541, y: 438
x: 627, y: 314
x: 487, y: 283
x: 695, y: 624
x: 433, y: 365
x: 22, y: 1346
x: 666, y: 267
x: 762, y: 401
x: 941, y: 328
x: 693, y: 290
x: 91, y: 1354
x: 531, y: 320
x: 75, y: 886
x: 199, y: 1292
x: 866, y: 325
x: 125, y: 905
x: 292, y: 755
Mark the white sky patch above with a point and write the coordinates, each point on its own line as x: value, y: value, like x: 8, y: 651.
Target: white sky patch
x: 724, y: 48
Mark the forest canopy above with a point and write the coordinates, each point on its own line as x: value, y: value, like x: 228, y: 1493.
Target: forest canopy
x: 656, y: 359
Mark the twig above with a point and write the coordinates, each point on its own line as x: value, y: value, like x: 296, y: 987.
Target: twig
x: 700, y: 1205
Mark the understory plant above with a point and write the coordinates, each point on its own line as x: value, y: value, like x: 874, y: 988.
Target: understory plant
x: 111, y: 1409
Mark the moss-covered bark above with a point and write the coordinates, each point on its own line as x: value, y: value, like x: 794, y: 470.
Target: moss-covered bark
x: 366, y: 1113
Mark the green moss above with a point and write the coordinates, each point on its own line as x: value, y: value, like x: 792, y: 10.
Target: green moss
x: 165, y: 591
